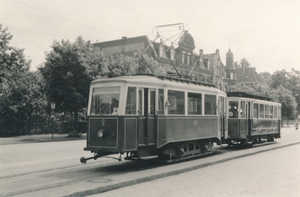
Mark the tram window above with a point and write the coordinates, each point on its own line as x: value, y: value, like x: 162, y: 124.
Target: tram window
x: 194, y: 103
x: 160, y: 101
x: 176, y: 100
x: 255, y: 110
x: 243, y: 111
x: 140, y: 107
x: 131, y: 101
x: 105, y: 100
x: 261, y: 111
x: 233, y: 109
x: 279, y: 112
x: 152, y: 102
x: 210, y: 104
x: 275, y: 112
x: 271, y: 111
x: 267, y: 111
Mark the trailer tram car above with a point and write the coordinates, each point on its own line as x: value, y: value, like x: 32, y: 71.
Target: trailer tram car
x: 148, y: 115
x: 252, y: 119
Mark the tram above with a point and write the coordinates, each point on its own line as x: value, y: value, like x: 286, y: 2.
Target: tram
x: 147, y: 115
x: 252, y: 119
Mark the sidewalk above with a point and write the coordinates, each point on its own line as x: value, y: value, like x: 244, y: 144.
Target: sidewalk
x: 39, y: 138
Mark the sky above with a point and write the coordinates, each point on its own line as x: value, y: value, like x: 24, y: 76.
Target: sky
x: 264, y: 32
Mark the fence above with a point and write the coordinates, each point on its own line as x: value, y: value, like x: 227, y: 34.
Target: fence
x: 42, y: 127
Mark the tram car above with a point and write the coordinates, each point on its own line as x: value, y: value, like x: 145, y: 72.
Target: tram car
x: 252, y: 119
x: 147, y: 115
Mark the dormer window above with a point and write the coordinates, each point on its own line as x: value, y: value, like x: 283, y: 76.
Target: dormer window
x: 172, y: 54
x: 183, y: 56
x: 188, y: 59
x: 208, y: 65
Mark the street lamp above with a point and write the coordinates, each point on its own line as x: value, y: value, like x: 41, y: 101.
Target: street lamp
x: 52, y: 116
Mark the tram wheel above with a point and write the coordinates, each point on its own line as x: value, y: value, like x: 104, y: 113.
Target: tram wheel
x: 271, y: 138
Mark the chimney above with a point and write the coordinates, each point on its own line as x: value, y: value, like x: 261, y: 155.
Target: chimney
x: 124, y: 38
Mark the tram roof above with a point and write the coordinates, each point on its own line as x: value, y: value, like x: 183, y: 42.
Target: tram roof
x: 243, y: 94
x: 156, y: 80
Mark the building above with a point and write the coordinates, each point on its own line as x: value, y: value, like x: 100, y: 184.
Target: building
x: 249, y: 76
x: 200, y: 67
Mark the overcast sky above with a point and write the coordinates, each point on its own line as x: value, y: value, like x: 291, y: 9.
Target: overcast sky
x: 265, y: 32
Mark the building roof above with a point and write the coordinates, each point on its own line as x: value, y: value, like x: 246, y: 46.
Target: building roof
x: 127, y: 46
x: 249, y: 76
x: 186, y: 41
x: 229, y: 54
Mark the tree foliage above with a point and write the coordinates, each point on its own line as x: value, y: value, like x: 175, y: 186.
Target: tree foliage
x: 130, y: 65
x: 68, y: 72
x: 282, y: 83
x: 267, y: 77
x: 243, y: 63
x: 20, y: 89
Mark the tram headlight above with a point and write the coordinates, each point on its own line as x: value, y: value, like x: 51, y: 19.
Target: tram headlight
x: 100, y: 133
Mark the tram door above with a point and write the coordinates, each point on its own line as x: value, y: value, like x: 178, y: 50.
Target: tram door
x: 223, y: 119
x: 146, y: 123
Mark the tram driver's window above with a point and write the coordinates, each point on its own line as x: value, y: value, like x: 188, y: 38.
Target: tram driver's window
x: 105, y: 100
x: 261, y: 111
x: 176, y: 102
x: 210, y: 104
x: 233, y: 109
x: 131, y: 101
x: 194, y: 103
x: 255, y: 110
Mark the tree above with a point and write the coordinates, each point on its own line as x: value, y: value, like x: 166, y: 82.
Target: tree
x: 22, y: 93
x: 15, y: 84
x: 267, y: 77
x: 243, y: 63
x: 68, y: 72
x: 280, y: 78
x: 288, y: 102
x: 137, y: 64
x: 294, y: 78
x: 12, y: 59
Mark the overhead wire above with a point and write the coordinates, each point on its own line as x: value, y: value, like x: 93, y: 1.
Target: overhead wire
x: 93, y: 27
x: 135, y: 11
x: 63, y: 18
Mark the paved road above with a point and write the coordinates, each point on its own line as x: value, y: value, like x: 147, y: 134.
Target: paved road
x: 274, y: 173
x: 53, y: 168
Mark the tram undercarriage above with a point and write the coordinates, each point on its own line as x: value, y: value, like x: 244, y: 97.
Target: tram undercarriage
x: 173, y: 152
x: 178, y: 151
x: 250, y: 141
x: 185, y: 150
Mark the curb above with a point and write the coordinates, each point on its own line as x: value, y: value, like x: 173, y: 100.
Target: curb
x: 166, y: 174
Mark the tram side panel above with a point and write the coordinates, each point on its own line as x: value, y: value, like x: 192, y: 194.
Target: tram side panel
x: 266, y: 127
x: 176, y: 129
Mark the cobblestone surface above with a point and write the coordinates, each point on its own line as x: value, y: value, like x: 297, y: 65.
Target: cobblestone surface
x: 270, y: 174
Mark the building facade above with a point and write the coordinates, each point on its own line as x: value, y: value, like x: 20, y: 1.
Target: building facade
x: 198, y: 66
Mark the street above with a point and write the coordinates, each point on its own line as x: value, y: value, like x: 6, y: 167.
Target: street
x: 270, y: 174
x: 53, y: 169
